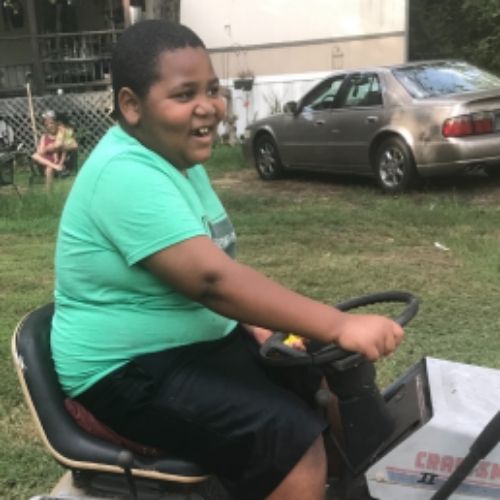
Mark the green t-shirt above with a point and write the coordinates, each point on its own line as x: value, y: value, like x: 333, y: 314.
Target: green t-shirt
x: 126, y: 204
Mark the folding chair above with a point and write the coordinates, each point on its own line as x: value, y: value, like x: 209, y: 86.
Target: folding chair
x: 7, y: 170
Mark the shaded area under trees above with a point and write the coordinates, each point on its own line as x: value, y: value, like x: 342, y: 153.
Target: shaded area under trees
x: 458, y: 29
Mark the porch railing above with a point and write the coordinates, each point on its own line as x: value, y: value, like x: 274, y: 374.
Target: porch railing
x: 13, y: 77
x: 66, y: 60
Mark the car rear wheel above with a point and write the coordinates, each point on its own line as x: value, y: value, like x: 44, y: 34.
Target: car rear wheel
x: 394, y: 166
x: 493, y: 172
x: 267, y: 160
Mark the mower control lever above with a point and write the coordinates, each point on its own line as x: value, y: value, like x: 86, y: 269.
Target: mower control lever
x: 275, y: 352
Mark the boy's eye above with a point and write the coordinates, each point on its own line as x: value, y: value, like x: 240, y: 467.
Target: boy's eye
x: 214, y: 91
x: 185, y: 95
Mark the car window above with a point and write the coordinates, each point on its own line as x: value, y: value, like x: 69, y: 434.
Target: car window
x: 362, y: 90
x: 444, y: 78
x: 323, y: 96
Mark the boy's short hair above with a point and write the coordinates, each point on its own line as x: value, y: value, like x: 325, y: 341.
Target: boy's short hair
x: 135, y: 56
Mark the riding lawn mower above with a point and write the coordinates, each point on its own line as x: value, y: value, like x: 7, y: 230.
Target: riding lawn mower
x: 432, y: 434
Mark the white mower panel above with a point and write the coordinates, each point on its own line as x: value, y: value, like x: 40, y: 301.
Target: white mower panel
x: 463, y: 399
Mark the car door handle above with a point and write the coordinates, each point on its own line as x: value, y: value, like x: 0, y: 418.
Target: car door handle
x: 319, y: 122
x: 371, y: 119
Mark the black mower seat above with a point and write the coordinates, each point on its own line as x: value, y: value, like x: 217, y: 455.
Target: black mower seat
x: 68, y: 443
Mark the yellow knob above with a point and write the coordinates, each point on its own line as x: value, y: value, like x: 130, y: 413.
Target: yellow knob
x: 292, y: 339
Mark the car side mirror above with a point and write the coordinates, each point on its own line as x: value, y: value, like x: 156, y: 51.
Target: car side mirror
x: 290, y: 107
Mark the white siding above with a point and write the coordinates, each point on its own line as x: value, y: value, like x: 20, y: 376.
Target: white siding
x: 230, y: 23
x: 269, y: 95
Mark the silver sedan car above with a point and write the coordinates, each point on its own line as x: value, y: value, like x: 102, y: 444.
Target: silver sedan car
x: 397, y: 123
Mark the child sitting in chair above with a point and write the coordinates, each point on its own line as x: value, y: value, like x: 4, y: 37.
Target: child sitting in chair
x: 48, y: 153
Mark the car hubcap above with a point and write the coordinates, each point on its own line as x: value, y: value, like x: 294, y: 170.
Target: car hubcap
x: 266, y: 158
x: 392, y: 167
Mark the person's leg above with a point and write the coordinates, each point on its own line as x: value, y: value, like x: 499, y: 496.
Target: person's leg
x: 38, y: 158
x: 218, y: 408
x: 49, y: 179
x: 307, y: 382
x: 62, y: 161
x: 307, y: 480
x: 50, y: 169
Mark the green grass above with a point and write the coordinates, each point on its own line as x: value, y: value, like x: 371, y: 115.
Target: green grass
x: 330, y: 238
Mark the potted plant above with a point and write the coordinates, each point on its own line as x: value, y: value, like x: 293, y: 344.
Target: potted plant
x: 244, y: 81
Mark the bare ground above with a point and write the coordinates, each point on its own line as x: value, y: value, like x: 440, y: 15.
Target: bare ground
x: 475, y: 188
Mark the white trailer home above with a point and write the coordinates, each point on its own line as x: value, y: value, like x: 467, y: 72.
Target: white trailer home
x: 271, y: 51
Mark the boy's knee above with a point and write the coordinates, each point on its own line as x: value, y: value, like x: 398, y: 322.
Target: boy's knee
x: 317, y: 453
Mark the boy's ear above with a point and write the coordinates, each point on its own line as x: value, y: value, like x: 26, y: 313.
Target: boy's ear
x: 130, y: 106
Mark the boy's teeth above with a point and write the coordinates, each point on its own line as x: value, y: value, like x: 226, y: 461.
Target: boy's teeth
x: 202, y: 131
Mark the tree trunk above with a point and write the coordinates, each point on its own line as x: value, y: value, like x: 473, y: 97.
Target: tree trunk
x: 163, y: 9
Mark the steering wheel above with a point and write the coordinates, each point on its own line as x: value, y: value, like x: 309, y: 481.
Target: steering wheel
x: 275, y: 352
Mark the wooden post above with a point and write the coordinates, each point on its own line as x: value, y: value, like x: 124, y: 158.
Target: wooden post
x: 126, y: 12
x: 38, y: 74
x: 32, y: 113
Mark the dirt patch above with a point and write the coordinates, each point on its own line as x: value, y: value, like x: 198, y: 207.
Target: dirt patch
x: 474, y: 188
x: 295, y: 184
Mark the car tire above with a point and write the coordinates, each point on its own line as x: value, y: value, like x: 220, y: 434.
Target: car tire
x: 493, y: 172
x: 394, y: 166
x: 267, y: 159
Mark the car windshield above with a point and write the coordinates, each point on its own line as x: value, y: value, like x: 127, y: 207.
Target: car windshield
x: 443, y: 78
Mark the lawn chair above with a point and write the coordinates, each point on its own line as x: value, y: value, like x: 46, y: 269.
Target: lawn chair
x: 37, y: 173
x: 7, y: 162
x: 70, y: 164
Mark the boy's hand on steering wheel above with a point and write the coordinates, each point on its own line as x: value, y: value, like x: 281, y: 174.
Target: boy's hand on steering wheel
x: 372, y: 335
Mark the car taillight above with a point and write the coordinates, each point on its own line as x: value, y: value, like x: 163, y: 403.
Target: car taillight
x: 458, y: 126
x: 474, y: 124
x: 483, y: 123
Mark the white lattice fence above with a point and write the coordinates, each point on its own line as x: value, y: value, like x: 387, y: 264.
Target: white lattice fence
x: 88, y: 113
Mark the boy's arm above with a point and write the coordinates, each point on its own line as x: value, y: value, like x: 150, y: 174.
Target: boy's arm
x: 200, y: 270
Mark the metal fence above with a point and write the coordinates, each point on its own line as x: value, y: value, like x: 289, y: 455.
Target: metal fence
x: 88, y: 113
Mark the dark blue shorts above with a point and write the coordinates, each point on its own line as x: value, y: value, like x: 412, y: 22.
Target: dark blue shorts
x: 216, y: 404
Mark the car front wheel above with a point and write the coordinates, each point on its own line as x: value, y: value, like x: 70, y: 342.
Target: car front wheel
x: 267, y: 160
x: 394, y: 166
